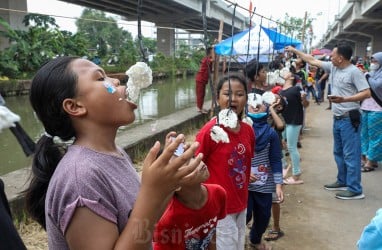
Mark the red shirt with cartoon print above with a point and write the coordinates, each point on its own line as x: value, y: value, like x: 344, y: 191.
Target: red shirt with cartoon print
x: 229, y: 164
x: 183, y: 228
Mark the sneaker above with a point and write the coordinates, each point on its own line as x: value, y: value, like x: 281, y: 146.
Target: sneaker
x: 348, y: 195
x: 335, y: 187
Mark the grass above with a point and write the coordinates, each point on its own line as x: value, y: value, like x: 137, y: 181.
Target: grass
x: 33, y: 235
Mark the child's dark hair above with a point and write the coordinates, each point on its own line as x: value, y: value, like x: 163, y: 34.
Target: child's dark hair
x: 303, y: 64
x: 52, y: 84
x: 209, y: 51
x: 275, y: 64
x: 233, y: 77
x: 252, y: 69
x: 296, y: 79
x: 282, y: 104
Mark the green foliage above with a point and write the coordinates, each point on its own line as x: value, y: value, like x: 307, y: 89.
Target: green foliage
x: 149, y: 44
x: 29, y: 49
x: 42, y: 21
x: 97, y: 34
x: 196, y: 58
x: 163, y: 64
x: 128, y: 54
x: 102, y: 33
x: 73, y: 44
x: 186, y: 61
x: 294, y: 27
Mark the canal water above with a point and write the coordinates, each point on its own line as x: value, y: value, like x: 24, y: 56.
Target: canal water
x: 162, y: 98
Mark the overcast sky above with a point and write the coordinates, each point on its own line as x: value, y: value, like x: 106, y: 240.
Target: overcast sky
x: 322, y: 10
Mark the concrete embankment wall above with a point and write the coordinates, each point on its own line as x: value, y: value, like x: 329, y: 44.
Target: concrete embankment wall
x: 135, y: 141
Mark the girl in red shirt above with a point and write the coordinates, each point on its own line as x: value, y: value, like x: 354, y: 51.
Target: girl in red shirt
x: 229, y: 161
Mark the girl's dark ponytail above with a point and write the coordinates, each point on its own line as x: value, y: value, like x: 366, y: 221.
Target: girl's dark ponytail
x: 46, y: 158
x: 53, y: 83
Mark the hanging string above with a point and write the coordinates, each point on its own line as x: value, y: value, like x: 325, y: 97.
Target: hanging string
x: 258, y: 47
x: 249, y: 33
x: 204, y: 17
x: 141, y: 48
x: 230, y: 56
x: 280, y: 30
x: 205, y: 42
x: 271, y: 59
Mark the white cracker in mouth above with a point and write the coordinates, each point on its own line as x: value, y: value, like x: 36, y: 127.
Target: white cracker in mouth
x: 140, y: 76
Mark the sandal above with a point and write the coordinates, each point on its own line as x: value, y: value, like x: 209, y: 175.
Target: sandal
x: 273, y: 235
x: 203, y: 111
x: 367, y: 169
x: 291, y: 181
x: 260, y: 246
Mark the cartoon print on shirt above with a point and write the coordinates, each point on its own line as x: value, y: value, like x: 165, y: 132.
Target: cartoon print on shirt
x: 261, y: 174
x: 202, y: 244
x: 237, y: 167
x: 193, y: 241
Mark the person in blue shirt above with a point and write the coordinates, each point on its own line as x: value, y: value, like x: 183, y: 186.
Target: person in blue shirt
x: 371, y: 237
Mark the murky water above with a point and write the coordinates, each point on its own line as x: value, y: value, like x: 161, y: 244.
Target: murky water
x: 162, y: 98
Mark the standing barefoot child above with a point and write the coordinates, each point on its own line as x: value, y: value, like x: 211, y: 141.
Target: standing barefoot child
x: 227, y: 144
x: 277, y: 122
x: 88, y: 195
x: 266, y: 171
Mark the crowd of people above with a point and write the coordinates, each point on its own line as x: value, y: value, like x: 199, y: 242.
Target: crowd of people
x: 204, y: 194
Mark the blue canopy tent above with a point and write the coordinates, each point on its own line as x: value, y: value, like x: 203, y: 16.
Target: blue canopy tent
x: 262, y: 41
x: 280, y: 40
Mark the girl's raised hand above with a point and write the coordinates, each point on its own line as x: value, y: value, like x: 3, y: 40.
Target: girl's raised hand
x: 161, y: 176
x: 164, y: 174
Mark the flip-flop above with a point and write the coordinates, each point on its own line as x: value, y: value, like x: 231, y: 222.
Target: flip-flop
x: 366, y: 169
x: 273, y: 235
x: 291, y: 181
x: 260, y: 246
x: 203, y: 111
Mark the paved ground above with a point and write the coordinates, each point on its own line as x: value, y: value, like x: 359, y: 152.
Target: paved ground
x: 311, y: 217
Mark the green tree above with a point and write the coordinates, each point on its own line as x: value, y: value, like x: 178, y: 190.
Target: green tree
x: 298, y: 28
x: 102, y: 32
x: 30, y: 48
x: 149, y: 44
x: 73, y: 44
x: 128, y: 54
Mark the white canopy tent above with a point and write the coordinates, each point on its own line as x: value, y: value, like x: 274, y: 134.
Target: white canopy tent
x: 257, y: 42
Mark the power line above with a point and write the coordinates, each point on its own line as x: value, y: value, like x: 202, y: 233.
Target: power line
x: 102, y: 21
x: 252, y: 12
x: 147, y: 26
